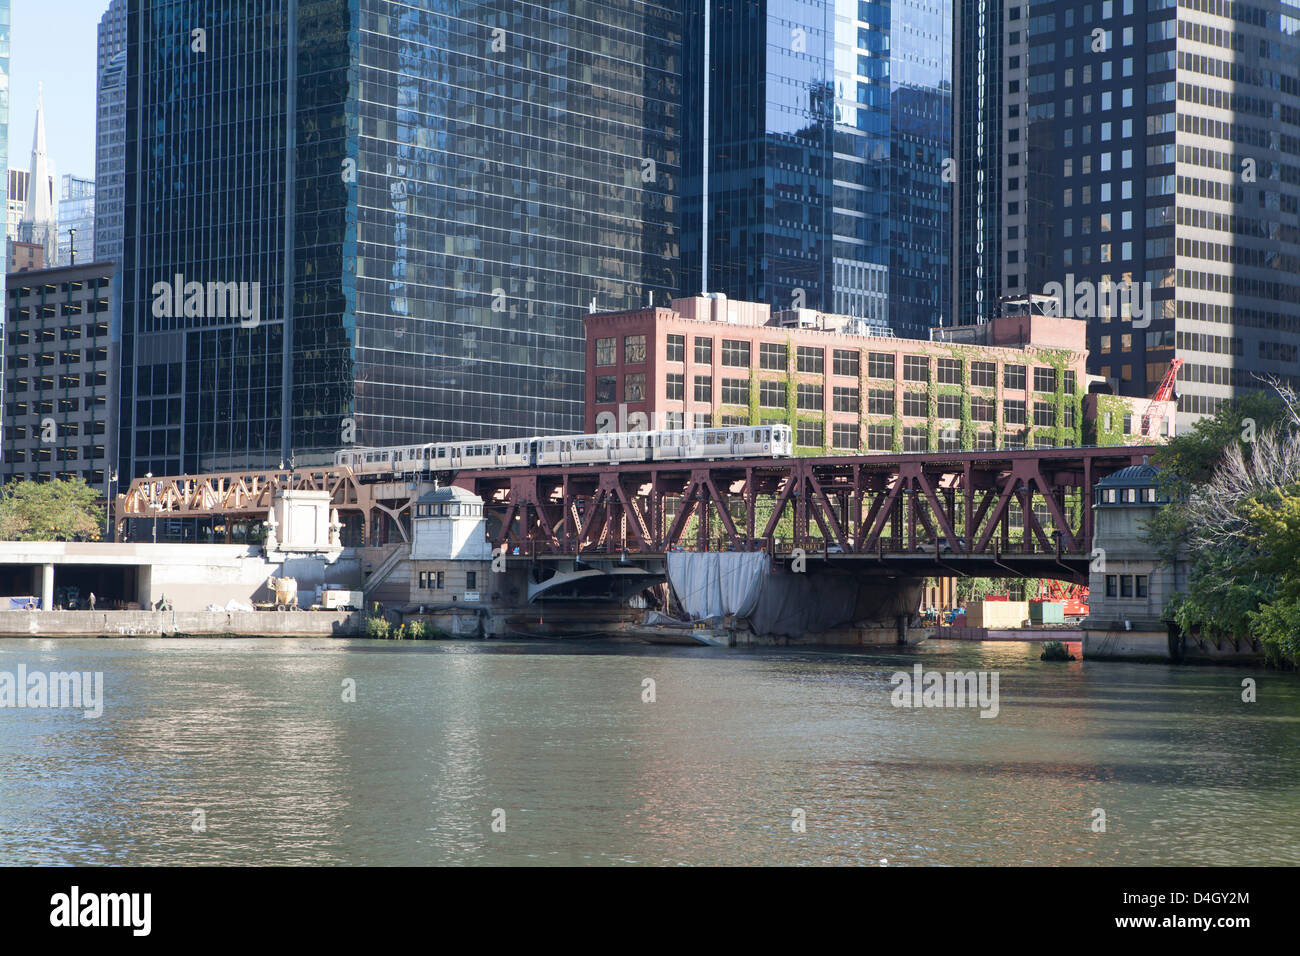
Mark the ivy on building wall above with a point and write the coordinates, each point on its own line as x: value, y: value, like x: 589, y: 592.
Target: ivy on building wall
x: 1116, y: 408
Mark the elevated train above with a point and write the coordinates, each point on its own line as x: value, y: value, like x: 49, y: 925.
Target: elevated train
x: 693, y: 444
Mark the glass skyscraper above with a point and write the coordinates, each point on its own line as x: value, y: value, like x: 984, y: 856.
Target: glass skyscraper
x: 421, y: 199
x: 4, y: 140
x: 814, y: 156
x: 76, y: 212
x: 110, y: 131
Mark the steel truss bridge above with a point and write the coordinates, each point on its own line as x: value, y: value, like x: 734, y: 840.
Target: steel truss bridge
x: 971, y: 512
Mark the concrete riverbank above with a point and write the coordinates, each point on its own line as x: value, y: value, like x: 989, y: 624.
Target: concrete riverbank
x: 180, y: 623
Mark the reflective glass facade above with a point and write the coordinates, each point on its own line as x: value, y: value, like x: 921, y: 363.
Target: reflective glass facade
x: 4, y: 135
x: 110, y: 131
x: 828, y: 125
x: 428, y: 195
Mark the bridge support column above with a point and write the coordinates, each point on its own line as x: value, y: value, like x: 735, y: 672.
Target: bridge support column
x: 47, y: 587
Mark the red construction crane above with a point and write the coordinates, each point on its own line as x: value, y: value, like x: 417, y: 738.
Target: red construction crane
x: 1154, y: 416
x: 1073, y: 596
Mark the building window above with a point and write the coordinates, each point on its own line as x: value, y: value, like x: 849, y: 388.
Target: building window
x: 811, y: 359
x: 1140, y: 585
x: 735, y: 353
x: 983, y: 374
x: 605, y: 351
x: 1126, y: 585
x: 676, y: 350
x: 675, y: 420
x: 916, y: 368
x: 916, y: 405
x: 846, y: 362
x: 772, y: 356
x: 471, y: 580
x: 880, y: 401
x: 702, y: 420
x: 880, y: 365
x: 676, y: 390
x: 1044, y: 379
x: 984, y: 441
x: 949, y: 371
x: 845, y: 436
x: 771, y: 394
x: 1013, y: 412
x: 1070, y: 382
x: 949, y: 406
x: 982, y: 409
x: 634, y: 349
x: 810, y: 434
x: 634, y: 387
x: 1044, y: 413
x: 703, y: 351
x: 915, y: 439
x: 1013, y: 441
x: 1013, y: 377
x: 735, y: 391
x: 704, y: 388
x: 810, y: 398
x: 606, y: 389
x: 845, y: 400
x: 880, y: 437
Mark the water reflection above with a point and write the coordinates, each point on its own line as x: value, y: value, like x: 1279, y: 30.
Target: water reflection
x: 257, y: 734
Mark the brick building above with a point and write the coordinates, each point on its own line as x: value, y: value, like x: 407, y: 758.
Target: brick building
x: 1017, y: 381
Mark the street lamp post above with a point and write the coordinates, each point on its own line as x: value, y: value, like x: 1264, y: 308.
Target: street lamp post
x: 108, y: 505
x: 72, y: 247
x: 153, y: 505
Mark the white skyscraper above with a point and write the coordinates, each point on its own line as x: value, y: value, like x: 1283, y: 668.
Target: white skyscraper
x: 40, y: 223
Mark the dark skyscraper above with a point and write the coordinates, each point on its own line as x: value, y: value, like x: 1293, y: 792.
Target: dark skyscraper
x: 1152, y: 147
x: 377, y: 222
x: 827, y: 128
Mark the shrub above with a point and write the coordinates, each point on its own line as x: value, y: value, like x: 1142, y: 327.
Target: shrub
x: 378, y: 627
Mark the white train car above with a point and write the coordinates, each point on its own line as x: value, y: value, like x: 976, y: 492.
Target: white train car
x: 750, y: 441
x: 701, y: 444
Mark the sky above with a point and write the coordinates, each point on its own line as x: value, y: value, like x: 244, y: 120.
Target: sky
x: 53, y: 43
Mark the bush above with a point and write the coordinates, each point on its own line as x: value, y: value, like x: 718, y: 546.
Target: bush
x: 417, y: 630
x: 1055, y: 651
x: 378, y: 627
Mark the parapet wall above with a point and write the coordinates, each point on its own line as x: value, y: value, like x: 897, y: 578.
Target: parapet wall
x: 169, y: 623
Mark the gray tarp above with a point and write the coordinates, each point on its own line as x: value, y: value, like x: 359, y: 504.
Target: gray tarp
x: 714, y: 584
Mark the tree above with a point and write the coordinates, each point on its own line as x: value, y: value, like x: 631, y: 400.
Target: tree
x: 1234, y: 481
x: 60, y: 510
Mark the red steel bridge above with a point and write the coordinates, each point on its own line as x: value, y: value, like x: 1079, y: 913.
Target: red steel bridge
x: 973, y: 512
x: 967, y: 512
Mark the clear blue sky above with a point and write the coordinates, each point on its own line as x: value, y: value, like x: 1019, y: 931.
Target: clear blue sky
x: 53, y: 43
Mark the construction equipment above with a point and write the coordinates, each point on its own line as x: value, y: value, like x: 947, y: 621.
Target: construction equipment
x: 1073, y: 596
x: 286, y: 592
x: 1154, y: 415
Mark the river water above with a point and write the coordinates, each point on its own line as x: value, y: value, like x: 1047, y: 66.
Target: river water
x: 555, y: 742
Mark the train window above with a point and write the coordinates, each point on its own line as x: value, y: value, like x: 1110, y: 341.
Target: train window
x: 767, y: 434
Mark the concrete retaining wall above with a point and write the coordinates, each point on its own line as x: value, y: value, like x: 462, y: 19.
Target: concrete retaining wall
x: 163, y: 623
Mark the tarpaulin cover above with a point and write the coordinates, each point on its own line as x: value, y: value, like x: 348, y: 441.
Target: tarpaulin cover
x: 713, y: 584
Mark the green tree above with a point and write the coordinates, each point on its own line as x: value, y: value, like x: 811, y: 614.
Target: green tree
x: 60, y: 510
x: 1193, y: 456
